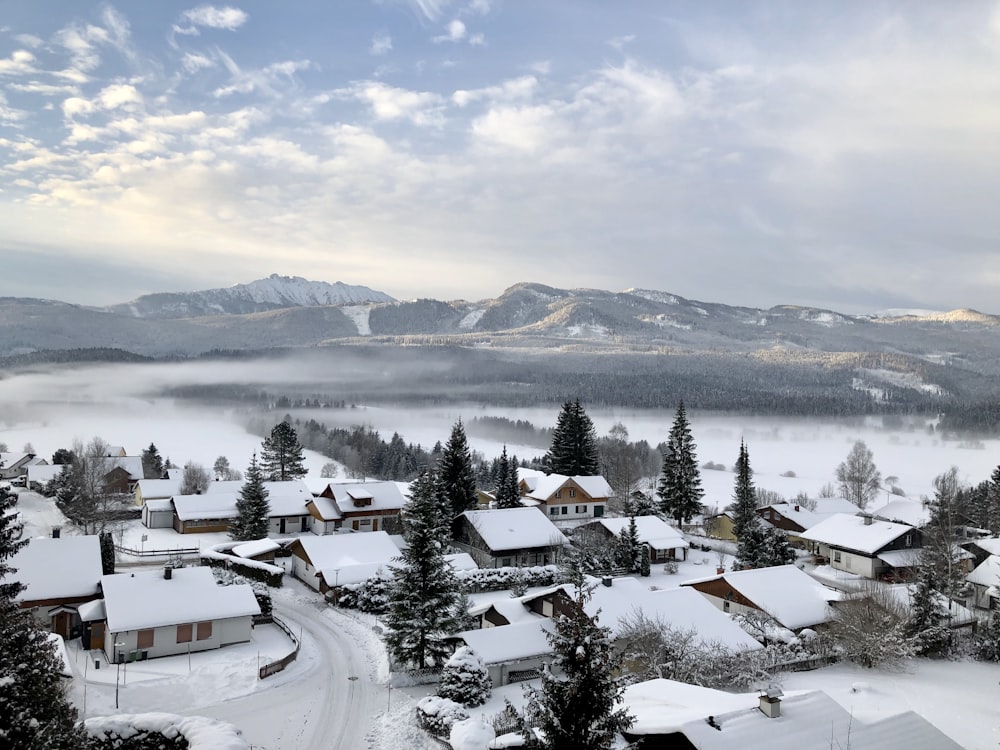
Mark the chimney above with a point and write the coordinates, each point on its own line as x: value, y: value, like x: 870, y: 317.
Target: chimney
x: 56, y: 531
x: 868, y: 520
x: 770, y: 702
x: 168, y: 572
x: 796, y: 508
x: 606, y: 581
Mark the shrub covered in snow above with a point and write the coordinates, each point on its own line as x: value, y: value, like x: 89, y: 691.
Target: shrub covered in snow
x: 438, y: 715
x: 497, y: 579
x: 160, y: 731
x: 465, y: 679
x: 266, y: 573
x: 471, y: 734
x: 261, y: 592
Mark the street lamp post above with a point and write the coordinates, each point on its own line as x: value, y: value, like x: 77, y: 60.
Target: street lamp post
x: 118, y: 674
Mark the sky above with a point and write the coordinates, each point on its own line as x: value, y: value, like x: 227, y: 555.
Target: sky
x: 836, y: 154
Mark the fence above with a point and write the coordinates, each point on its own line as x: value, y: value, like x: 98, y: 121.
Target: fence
x: 178, y: 552
x: 276, y: 666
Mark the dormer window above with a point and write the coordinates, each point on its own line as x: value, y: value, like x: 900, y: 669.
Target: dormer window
x: 360, y: 498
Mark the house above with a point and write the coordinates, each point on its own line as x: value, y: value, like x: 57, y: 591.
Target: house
x: 60, y: 574
x: 790, y: 596
x: 364, y: 506
x: 512, y: 637
x: 332, y: 560
x: 985, y: 582
x: 663, y: 540
x: 720, y: 526
x: 794, y: 518
x: 671, y: 715
x: 173, y: 611
x: 505, y: 537
x: 864, y: 546
x: 564, y: 498
x: 900, y: 510
x: 13, y: 465
x: 164, y: 489
x: 261, y: 550
x: 39, y: 475
x: 215, y: 510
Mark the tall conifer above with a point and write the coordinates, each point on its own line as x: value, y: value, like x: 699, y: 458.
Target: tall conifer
x: 573, y: 450
x: 252, y: 509
x: 680, y: 489
x: 457, y: 478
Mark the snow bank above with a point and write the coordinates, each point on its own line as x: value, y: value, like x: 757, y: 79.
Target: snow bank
x: 471, y: 734
x: 201, y: 733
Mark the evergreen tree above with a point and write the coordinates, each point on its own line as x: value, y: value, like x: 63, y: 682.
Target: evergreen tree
x: 573, y: 450
x: 746, y: 523
x: 629, y: 551
x: 680, y: 489
x: 507, y: 494
x: 107, y: 553
x: 576, y: 707
x: 34, y: 712
x: 424, y: 598
x: 465, y: 679
x: 926, y: 626
x: 282, y: 457
x: 640, y: 503
x: 455, y: 467
x: 152, y: 464
x: 252, y: 508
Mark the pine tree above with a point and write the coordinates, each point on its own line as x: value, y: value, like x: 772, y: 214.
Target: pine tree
x: 680, y: 489
x: 573, y: 451
x: 746, y: 523
x: 455, y: 468
x: 107, y: 553
x: 34, y: 712
x: 424, y: 598
x: 152, y: 464
x: 282, y: 457
x: 252, y: 521
x: 465, y: 679
x: 576, y: 707
x: 507, y: 493
x: 926, y: 626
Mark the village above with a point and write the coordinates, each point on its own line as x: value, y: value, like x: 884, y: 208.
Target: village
x: 161, y: 608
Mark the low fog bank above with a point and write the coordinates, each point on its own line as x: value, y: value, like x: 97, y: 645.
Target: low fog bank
x: 211, y: 402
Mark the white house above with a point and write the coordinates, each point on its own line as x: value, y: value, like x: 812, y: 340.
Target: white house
x: 564, y: 498
x: 864, y: 545
x: 364, y: 506
x: 215, y: 510
x: 504, y: 537
x: 663, y: 540
x: 332, y: 560
x: 173, y: 611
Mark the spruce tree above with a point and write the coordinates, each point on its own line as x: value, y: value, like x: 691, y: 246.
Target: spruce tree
x: 680, y: 489
x: 424, y: 599
x: 152, y: 464
x: 455, y: 467
x: 573, y: 451
x: 107, y: 553
x: 629, y: 550
x: 746, y: 523
x: 926, y: 626
x: 252, y: 509
x: 507, y: 493
x: 34, y: 712
x: 282, y: 456
x: 577, y: 705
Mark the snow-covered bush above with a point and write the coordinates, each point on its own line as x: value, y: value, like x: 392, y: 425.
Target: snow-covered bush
x: 438, y: 715
x: 261, y: 592
x: 497, y: 579
x: 160, y: 731
x: 471, y: 734
x: 465, y: 679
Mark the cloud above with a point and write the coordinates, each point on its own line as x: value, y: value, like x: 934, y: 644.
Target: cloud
x: 392, y: 103
x: 272, y: 80
x: 381, y: 44
x: 454, y: 32
x: 76, y: 106
x: 209, y: 16
x: 119, y: 95
x: 523, y: 87
x: 21, y: 62
x: 192, y: 62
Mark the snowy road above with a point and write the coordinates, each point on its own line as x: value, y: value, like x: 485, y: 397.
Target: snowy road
x: 330, y: 698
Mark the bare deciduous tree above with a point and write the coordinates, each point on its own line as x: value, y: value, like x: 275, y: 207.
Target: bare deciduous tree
x: 858, y: 476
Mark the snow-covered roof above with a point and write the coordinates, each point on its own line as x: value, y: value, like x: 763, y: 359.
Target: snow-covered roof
x: 515, y: 528
x: 900, y: 558
x: 987, y: 573
x: 92, y: 610
x: 991, y: 545
x: 147, y: 599
x: 159, y: 488
x: 44, y: 473
x: 509, y: 643
x: 159, y: 505
x: 357, y: 557
x: 283, y: 499
x: 377, y: 496
x: 543, y: 487
x: 461, y: 561
x: 809, y: 719
x: 789, y: 595
x: 652, y: 530
x: 131, y: 464
x: 256, y: 547
x: 62, y: 568
x: 910, y: 512
x: 851, y: 532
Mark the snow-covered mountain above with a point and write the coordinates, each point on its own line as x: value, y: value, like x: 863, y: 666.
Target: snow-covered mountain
x: 276, y: 292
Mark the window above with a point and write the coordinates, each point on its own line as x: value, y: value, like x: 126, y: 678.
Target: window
x: 909, y: 540
x: 836, y: 555
x: 558, y: 494
x: 572, y: 492
x: 581, y: 508
x: 565, y: 510
x: 553, y: 511
x: 144, y: 638
x: 598, y: 511
x: 184, y: 633
x: 204, y: 630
